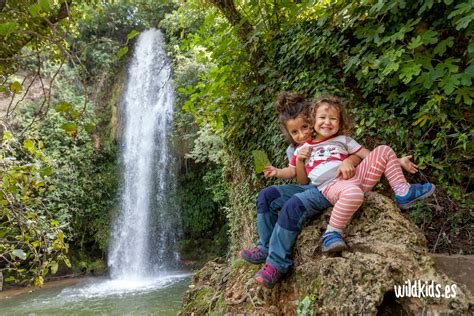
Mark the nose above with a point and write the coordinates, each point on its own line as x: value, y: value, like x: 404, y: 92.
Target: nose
x: 301, y: 134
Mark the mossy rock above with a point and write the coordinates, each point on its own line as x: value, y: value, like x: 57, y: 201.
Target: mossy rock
x: 385, y: 249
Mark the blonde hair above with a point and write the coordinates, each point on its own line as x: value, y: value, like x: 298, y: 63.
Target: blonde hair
x: 340, y: 105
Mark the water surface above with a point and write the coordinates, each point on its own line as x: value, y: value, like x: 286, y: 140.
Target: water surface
x: 159, y: 296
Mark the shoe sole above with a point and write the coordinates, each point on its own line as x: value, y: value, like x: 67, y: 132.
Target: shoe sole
x: 335, y: 248
x: 261, y: 281
x: 409, y: 205
x: 252, y: 261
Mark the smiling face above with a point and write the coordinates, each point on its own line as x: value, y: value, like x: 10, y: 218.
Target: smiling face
x: 327, y: 121
x: 299, y: 129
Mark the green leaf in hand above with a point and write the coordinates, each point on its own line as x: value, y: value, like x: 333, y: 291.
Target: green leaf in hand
x: 261, y: 160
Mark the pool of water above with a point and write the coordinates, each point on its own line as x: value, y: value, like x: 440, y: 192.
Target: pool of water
x: 157, y: 296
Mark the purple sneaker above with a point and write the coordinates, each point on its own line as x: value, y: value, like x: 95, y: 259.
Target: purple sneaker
x: 415, y: 193
x: 268, y: 276
x: 254, y: 255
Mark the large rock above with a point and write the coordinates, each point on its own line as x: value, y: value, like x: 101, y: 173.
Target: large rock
x: 386, y: 250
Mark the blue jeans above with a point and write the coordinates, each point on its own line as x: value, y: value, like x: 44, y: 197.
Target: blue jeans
x: 278, y: 231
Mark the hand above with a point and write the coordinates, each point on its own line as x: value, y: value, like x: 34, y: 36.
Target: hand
x: 270, y: 171
x: 408, y: 165
x: 346, y: 170
x: 304, y: 153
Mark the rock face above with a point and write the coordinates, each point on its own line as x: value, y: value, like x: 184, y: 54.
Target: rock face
x: 385, y: 250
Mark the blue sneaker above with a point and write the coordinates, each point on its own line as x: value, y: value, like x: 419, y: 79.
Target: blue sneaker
x: 415, y: 192
x: 254, y: 255
x: 333, y: 242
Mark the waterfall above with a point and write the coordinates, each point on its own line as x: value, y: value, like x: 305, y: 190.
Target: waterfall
x: 143, y: 240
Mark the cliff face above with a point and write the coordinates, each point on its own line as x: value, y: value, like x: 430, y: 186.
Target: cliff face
x: 386, y: 250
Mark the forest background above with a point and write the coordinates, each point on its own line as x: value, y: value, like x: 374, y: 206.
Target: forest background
x: 406, y: 68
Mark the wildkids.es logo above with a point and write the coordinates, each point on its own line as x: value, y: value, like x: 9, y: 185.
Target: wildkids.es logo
x: 420, y: 289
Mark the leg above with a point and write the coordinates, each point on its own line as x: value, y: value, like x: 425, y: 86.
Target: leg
x: 303, y: 205
x: 382, y: 160
x: 269, y: 202
x: 347, y: 197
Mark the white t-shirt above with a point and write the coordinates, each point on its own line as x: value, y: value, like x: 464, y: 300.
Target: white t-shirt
x: 326, y: 157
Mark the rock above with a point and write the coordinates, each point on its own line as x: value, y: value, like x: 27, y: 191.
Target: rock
x: 385, y: 250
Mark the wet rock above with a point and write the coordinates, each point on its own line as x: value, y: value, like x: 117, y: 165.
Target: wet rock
x: 385, y: 251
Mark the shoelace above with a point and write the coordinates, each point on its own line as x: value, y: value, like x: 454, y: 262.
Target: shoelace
x: 268, y: 269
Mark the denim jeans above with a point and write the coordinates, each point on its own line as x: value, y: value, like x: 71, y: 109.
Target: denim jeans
x: 278, y: 230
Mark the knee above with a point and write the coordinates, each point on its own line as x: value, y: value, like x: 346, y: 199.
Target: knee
x: 265, y: 198
x: 384, y: 150
x: 354, y: 194
x: 291, y: 214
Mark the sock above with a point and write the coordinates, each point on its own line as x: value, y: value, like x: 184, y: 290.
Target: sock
x: 402, y: 189
x: 333, y: 229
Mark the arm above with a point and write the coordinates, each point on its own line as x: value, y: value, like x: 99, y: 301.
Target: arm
x: 347, y: 168
x: 303, y: 154
x: 362, y: 153
x: 301, y: 176
x: 285, y: 173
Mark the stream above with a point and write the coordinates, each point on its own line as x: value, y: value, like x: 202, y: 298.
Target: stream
x: 102, y: 296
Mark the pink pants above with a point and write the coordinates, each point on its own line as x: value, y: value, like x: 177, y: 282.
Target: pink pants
x: 347, y: 195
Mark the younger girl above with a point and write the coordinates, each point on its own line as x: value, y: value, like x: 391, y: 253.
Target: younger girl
x: 277, y: 231
x: 322, y: 156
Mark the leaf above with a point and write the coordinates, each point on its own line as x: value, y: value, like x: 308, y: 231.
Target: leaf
x: 75, y: 114
x: 15, y: 87
x: 464, y: 22
x: 132, y: 34
x: 39, y: 281
x: 260, y: 160
x: 409, y: 71
x: 460, y: 9
x: 7, y: 28
x: 63, y: 107
x: 19, y: 253
x: 69, y: 127
x: 440, y: 49
x: 47, y: 171
x: 54, y: 267
x: 89, y: 127
x: 34, y: 9
x: 44, y: 5
x: 9, y: 279
x: 122, y: 51
x: 29, y: 145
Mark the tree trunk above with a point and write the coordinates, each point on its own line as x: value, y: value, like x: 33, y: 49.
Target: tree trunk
x: 244, y: 31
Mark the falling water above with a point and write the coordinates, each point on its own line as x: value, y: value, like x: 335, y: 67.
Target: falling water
x: 143, y: 261
x: 144, y: 234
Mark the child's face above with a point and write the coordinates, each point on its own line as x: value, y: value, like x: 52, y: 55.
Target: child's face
x: 299, y: 130
x: 327, y: 121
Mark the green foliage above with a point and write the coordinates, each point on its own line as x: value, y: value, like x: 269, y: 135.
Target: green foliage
x: 305, y: 306
x: 85, y: 178
x: 406, y: 68
x: 32, y: 241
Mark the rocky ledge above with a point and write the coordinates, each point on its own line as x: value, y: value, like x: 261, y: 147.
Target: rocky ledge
x: 385, y: 251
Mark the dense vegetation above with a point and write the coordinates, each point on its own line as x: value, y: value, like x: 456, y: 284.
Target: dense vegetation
x: 406, y: 68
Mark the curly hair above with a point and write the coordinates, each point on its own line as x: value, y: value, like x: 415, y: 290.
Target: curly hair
x: 291, y: 105
x: 340, y: 105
